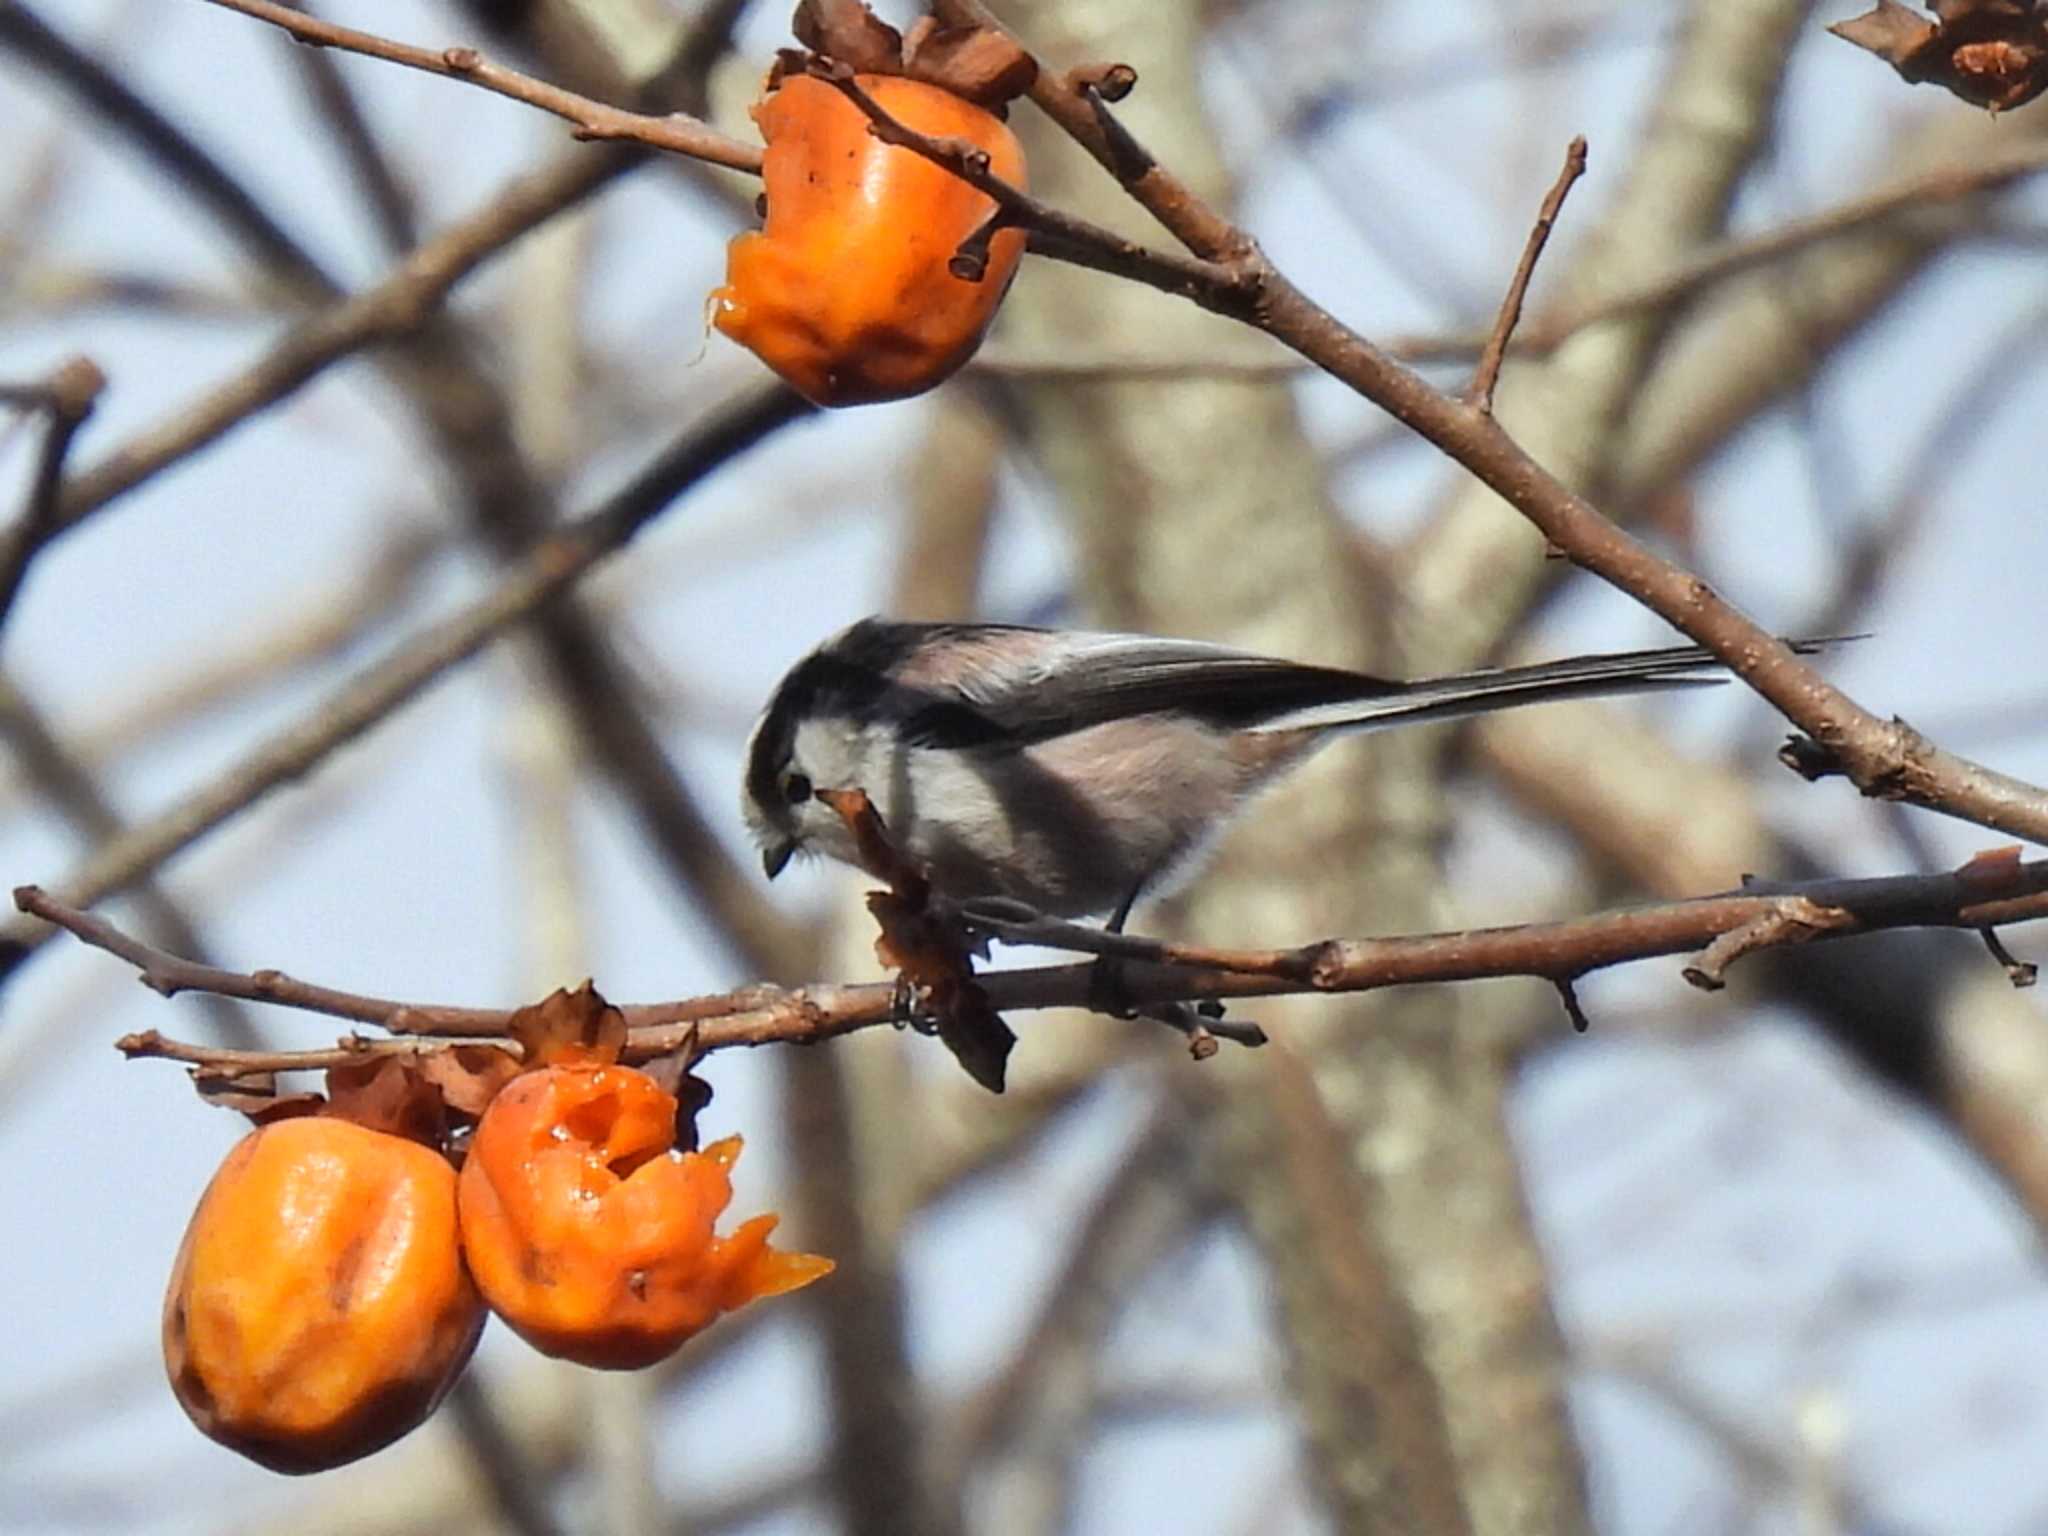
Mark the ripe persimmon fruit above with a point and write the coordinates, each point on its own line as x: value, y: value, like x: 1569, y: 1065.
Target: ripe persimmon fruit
x: 847, y: 291
x: 319, y: 1307
x: 592, y: 1236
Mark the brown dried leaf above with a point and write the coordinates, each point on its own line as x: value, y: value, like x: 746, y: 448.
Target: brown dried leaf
x: 878, y: 856
x: 692, y: 1094
x: 391, y: 1094
x: 1991, y: 871
x: 1951, y: 13
x: 569, y: 1027
x: 848, y: 31
x: 1893, y: 32
x: 988, y: 68
x: 927, y: 950
x: 469, y: 1076
x: 254, y: 1095
x: 1993, y: 53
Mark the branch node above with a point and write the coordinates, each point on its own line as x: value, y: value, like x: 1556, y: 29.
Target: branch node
x: 1809, y: 759
x: 1788, y: 920
x: 969, y: 262
x: 463, y: 61
x: 1112, y: 82
x: 1204, y: 1025
x: 1568, y: 994
x: 1131, y: 160
x: 74, y: 388
x: 163, y: 983
x: 1326, y: 964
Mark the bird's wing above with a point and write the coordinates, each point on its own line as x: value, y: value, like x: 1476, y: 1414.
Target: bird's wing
x: 1036, y: 684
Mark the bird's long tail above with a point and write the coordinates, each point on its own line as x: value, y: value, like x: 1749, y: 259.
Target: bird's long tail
x: 1478, y: 693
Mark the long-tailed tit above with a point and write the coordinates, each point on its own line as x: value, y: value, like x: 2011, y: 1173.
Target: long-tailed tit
x: 1071, y: 771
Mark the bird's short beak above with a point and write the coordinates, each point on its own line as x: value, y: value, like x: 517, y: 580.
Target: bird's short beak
x: 775, y: 855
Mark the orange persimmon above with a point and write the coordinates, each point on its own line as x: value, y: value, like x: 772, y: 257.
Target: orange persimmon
x: 319, y: 1308
x: 592, y: 1236
x: 846, y: 291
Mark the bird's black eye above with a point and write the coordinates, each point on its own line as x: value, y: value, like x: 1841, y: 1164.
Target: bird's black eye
x: 796, y: 788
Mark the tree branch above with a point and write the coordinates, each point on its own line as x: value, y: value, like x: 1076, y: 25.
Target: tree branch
x: 1495, y: 351
x: 67, y: 398
x: 1990, y: 891
x: 676, y: 132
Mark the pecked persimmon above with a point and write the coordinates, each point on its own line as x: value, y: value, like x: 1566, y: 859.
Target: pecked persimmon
x: 592, y: 1236
x: 847, y: 291
x: 319, y: 1307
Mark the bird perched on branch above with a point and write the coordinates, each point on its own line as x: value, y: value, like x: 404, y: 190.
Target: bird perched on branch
x: 1073, y: 771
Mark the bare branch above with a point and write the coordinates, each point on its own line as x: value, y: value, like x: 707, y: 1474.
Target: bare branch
x: 1491, y: 356
x: 391, y: 202
x: 677, y: 132
x: 67, y: 399
x: 1974, y: 177
x: 352, y: 1050
x: 1989, y: 891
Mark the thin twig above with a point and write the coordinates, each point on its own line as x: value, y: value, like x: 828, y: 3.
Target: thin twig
x: 2021, y: 973
x: 1062, y: 236
x: 1573, y: 1008
x: 1488, y: 372
x: 67, y: 399
x: 390, y: 201
x: 1788, y: 920
x: 148, y: 1044
x: 1688, y: 279
x: 677, y: 132
x: 1979, y: 176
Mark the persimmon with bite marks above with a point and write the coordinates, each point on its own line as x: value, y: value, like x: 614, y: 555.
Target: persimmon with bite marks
x: 592, y: 1236
x: 847, y: 290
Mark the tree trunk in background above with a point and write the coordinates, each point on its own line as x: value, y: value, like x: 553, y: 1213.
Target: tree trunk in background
x: 1368, y: 1146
